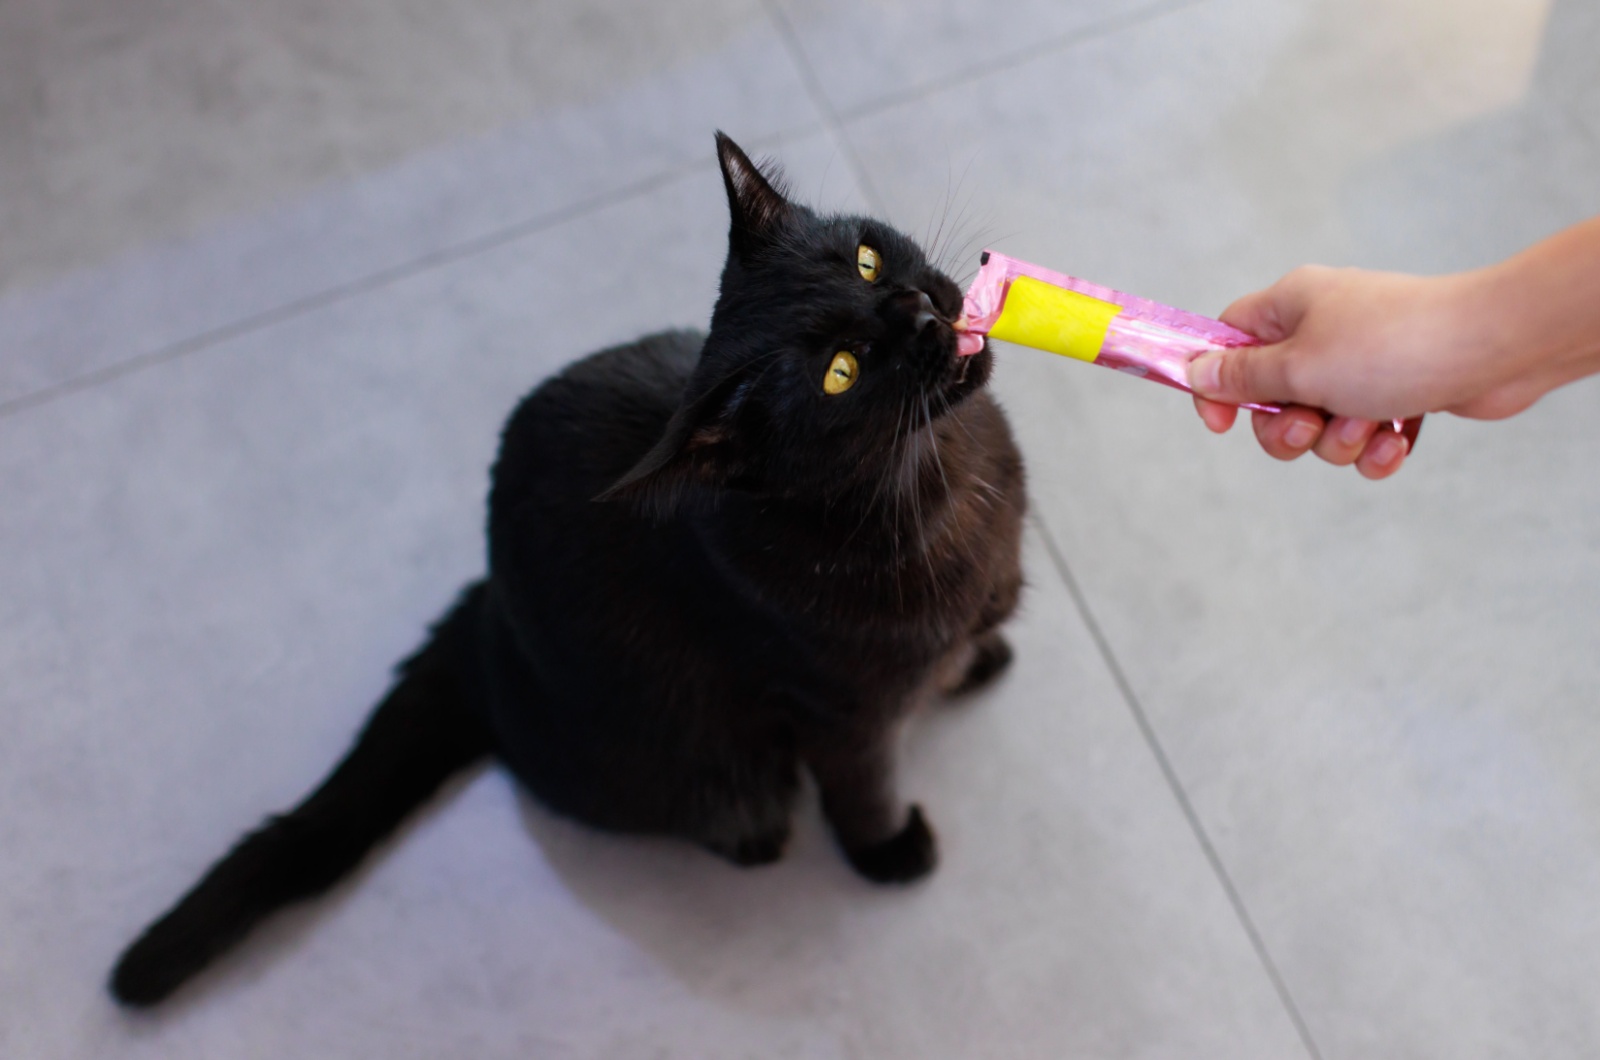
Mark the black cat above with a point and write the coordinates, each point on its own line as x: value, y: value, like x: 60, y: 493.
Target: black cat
x: 713, y: 560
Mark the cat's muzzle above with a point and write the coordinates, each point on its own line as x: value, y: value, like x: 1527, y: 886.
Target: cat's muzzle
x: 930, y: 337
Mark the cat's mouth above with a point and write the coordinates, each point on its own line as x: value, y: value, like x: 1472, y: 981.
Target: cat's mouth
x: 968, y: 373
x: 954, y: 376
x: 963, y: 366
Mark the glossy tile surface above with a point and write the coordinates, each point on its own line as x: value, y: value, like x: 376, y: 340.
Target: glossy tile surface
x: 869, y: 53
x: 154, y: 202
x: 128, y: 122
x: 1379, y: 698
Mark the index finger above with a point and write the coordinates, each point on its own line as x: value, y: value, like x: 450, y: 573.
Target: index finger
x: 1217, y: 417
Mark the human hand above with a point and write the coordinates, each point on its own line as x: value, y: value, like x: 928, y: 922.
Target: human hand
x: 1368, y: 347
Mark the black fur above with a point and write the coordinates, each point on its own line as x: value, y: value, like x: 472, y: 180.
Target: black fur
x: 705, y: 575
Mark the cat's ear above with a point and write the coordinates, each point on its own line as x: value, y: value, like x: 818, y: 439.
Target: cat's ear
x: 700, y: 446
x: 756, y: 200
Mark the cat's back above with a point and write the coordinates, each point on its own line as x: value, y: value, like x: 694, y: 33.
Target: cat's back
x: 582, y: 429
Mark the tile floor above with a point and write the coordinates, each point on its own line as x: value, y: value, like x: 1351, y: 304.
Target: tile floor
x: 1290, y: 764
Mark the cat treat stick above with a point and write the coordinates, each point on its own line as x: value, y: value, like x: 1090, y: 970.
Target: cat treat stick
x: 1027, y: 304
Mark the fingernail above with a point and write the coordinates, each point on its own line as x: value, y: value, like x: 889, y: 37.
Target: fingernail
x: 1351, y: 431
x: 1300, y: 434
x: 1388, y: 449
x: 1205, y: 373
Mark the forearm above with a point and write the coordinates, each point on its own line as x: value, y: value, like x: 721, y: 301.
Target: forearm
x: 1541, y: 312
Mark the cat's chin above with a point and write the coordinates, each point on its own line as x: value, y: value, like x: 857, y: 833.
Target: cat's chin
x: 968, y: 375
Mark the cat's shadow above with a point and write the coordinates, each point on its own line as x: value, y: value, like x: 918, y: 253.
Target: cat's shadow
x: 767, y: 939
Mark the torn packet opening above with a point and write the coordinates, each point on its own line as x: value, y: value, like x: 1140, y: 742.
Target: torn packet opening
x: 1017, y: 301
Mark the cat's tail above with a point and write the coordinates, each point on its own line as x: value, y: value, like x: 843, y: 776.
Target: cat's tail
x: 426, y: 729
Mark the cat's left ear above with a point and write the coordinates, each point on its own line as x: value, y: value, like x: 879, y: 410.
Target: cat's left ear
x: 700, y: 446
x: 756, y: 201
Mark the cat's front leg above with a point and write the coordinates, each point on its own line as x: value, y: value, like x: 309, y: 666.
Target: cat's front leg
x: 855, y: 771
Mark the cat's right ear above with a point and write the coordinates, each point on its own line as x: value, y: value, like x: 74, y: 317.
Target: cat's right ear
x: 756, y: 201
x: 700, y: 447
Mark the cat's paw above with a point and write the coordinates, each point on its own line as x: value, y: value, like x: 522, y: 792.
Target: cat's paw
x: 749, y: 851
x: 991, y: 659
x: 908, y: 855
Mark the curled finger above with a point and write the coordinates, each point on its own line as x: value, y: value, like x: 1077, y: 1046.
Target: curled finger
x: 1383, y: 455
x: 1290, y: 434
x: 1217, y: 417
x: 1344, y: 440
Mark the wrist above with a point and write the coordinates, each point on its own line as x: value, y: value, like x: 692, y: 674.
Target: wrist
x: 1513, y: 343
x: 1544, y: 305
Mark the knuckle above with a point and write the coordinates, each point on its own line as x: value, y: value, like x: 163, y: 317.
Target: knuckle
x: 1304, y: 277
x: 1297, y: 381
x: 1237, y: 371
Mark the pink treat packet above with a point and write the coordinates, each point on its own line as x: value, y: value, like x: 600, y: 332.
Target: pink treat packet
x: 1017, y: 301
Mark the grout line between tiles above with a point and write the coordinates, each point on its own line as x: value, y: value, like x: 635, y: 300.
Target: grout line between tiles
x: 832, y: 122
x: 1011, y: 60
x: 824, y: 106
x: 375, y: 280
x: 1153, y: 742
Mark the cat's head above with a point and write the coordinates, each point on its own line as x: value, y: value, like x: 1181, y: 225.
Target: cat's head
x: 831, y: 344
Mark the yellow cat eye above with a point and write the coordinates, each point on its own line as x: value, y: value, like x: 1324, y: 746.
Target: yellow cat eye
x: 868, y: 262
x: 841, y: 373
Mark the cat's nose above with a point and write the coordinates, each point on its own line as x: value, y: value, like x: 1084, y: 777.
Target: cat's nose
x: 919, y: 308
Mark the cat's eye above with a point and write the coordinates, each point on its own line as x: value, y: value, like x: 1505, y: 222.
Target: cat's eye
x: 868, y: 262
x: 842, y: 373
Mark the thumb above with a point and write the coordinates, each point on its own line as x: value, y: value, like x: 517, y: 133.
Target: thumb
x: 1242, y: 374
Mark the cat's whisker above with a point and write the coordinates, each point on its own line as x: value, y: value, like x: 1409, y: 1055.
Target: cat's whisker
x: 938, y: 461
x: 932, y: 242
x: 988, y: 240
x: 949, y: 494
x: 935, y: 249
x: 948, y: 408
x: 978, y: 480
x: 979, y: 238
x: 922, y: 543
x: 987, y: 493
x: 961, y: 254
x: 899, y: 454
x: 876, y: 500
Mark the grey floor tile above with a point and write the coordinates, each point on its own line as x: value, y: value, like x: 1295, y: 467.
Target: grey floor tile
x: 1299, y: 136
x: 132, y: 123
x: 207, y: 568
x: 866, y: 53
x: 165, y: 176
x: 1566, y: 70
x: 1380, y: 698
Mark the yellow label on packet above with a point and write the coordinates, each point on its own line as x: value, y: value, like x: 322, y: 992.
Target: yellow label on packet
x: 1048, y: 317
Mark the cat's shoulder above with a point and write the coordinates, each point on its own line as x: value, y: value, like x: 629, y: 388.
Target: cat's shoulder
x: 587, y: 424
